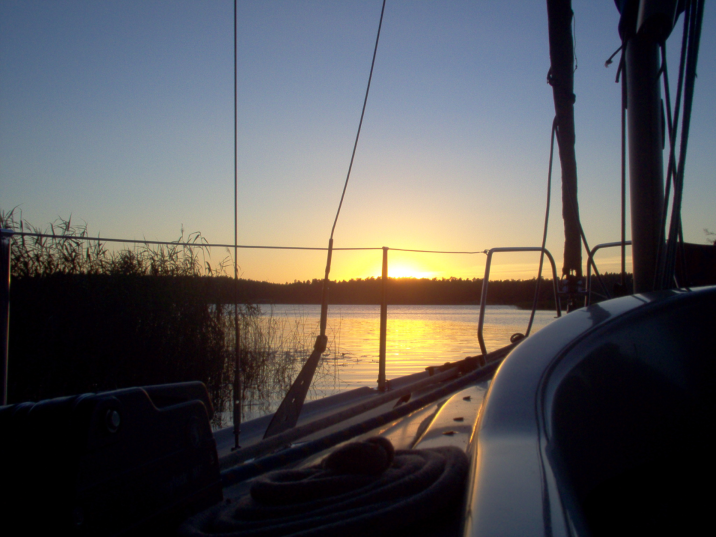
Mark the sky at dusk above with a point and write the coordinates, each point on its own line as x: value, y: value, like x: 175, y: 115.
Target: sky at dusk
x: 120, y: 113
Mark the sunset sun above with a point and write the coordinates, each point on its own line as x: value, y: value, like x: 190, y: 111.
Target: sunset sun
x: 408, y: 271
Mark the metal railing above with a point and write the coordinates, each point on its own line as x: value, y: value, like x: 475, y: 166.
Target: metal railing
x: 591, y: 258
x: 486, y: 280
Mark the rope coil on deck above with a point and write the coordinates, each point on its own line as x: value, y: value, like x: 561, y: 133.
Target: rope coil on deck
x: 362, y: 488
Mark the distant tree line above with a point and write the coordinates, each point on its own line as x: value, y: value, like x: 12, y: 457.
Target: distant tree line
x: 423, y: 291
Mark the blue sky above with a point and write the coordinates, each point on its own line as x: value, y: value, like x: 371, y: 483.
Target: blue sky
x: 120, y: 113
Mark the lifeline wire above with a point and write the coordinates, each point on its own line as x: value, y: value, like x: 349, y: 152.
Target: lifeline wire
x: 212, y: 245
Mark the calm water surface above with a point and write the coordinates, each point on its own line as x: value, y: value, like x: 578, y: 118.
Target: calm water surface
x: 418, y: 336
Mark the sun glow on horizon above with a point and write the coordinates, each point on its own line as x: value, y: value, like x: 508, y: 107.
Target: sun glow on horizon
x: 401, y: 265
x: 404, y: 271
x: 354, y: 265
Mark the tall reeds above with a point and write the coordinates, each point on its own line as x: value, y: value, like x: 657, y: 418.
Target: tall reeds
x: 274, y: 348
x: 86, y: 318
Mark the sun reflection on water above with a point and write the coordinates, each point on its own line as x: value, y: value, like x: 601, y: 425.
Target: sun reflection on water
x: 417, y: 337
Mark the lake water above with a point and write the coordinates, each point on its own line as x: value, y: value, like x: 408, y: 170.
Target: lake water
x: 417, y: 337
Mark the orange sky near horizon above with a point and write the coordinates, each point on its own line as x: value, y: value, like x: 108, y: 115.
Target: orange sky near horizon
x: 347, y: 265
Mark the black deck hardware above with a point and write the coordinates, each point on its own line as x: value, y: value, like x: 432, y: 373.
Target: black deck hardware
x: 135, y: 460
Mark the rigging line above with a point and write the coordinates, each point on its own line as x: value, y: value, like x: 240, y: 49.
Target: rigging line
x: 686, y: 36
x: 693, y: 54
x: 684, y: 266
x: 691, y: 15
x: 360, y: 123
x: 237, y: 333
x: 321, y: 339
x: 673, y: 150
x: 546, y: 226
x: 621, y: 68
x: 609, y: 60
x: 621, y: 72
x: 574, y: 41
x: 673, y: 129
x: 623, y: 165
x: 670, y: 169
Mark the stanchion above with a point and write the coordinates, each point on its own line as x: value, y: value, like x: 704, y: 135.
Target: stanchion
x: 383, y: 322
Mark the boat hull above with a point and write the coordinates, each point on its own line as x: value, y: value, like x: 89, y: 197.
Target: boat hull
x: 598, y: 422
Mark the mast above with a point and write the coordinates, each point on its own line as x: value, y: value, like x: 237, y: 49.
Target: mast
x: 646, y: 176
x: 643, y: 27
x: 561, y: 78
